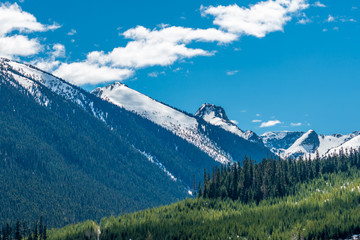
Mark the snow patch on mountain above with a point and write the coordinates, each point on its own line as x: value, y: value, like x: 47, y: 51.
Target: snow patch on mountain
x: 179, y: 123
x: 153, y: 160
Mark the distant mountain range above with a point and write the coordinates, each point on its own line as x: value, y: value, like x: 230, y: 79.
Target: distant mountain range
x: 75, y: 155
x: 309, y: 144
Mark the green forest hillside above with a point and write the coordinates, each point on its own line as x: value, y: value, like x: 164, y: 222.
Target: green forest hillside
x: 322, y: 206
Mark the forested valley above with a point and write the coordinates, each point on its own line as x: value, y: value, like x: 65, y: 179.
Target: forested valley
x: 275, y: 199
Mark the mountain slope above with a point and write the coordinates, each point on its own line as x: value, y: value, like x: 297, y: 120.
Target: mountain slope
x: 67, y: 166
x: 346, y: 148
x: 169, y: 152
x: 224, y: 146
x: 151, y: 159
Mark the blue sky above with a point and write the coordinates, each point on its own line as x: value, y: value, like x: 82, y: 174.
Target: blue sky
x: 283, y: 65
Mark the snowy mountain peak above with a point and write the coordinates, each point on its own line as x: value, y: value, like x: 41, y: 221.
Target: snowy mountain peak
x: 179, y: 123
x: 308, y: 143
x: 210, y: 112
x: 215, y: 115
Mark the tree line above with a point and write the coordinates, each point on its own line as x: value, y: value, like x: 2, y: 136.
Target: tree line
x: 21, y: 230
x: 253, y: 182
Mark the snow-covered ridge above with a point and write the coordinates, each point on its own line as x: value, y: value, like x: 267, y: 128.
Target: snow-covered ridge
x: 216, y: 116
x: 171, y: 119
x: 38, y: 83
x: 310, y: 144
x: 35, y: 80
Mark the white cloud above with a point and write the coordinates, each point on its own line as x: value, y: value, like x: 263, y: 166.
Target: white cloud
x: 258, y: 20
x: 258, y: 114
x: 331, y: 18
x: 345, y: 19
x: 153, y: 74
x: 72, y: 32
x: 270, y: 123
x: 156, y: 74
x: 19, y: 45
x: 50, y: 63
x: 14, y: 25
x: 160, y: 47
x: 81, y: 73
x: 12, y: 18
x: 46, y: 65
x: 231, y: 73
x: 319, y: 4
x: 59, y: 50
x: 256, y: 121
x: 295, y: 124
x: 304, y: 19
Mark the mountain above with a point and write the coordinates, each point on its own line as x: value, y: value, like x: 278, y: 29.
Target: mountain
x: 209, y: 129
x: 216, y: 116
x: 68, y: 155
x: 351, y: 145
x: 309, y: 144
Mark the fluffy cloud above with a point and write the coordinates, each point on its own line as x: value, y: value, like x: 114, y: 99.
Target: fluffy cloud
x: 296, y: 124
x: 258, y: 20
x: 14, y: 24
x: 18, y: 45
x: 330, y: 18
x: 13, y: 18
x: 59, y: 50
x: 82, y: 73
x: 50, y: 63
x: 319, y: 4
x: 270, y: 123
x: 159, y: 46
x: 146, y: 48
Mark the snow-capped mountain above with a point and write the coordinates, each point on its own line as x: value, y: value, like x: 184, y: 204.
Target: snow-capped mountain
x: 180, y: 159
x: 189, y: 144
x: 194, y: 129
x: 209, y: 130
x: 216, y: 116
x: 346, y: 148
x: 177, y: 122
x: 35, y: 80
x: 309, y: 144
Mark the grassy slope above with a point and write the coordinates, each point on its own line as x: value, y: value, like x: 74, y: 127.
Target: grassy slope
x: 323, y: 209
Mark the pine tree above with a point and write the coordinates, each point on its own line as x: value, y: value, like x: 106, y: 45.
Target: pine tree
x: 36, y: 235
x: 17, y: 231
